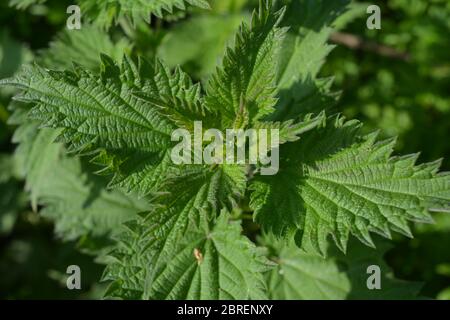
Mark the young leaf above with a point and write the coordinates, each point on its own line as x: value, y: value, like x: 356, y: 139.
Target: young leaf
x: 244, y: 88
x: 289, y: 130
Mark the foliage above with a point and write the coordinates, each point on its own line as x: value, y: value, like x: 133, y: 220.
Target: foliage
x: 105, y: 13
x: 93, y: 118
x: 339, y: 277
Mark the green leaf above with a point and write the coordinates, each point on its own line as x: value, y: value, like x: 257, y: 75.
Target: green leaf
x: 182, y: 251
x: 76, y: 201
x: 198, y: 44
x: 8, y: 168
x: 336, y: 182
x: 289, y: 130
x: 208, y: 264
x: 106, y: 13
x: 12, y: 198
x: 355, y: 10
x: 306, y: 276
x: 217, y: 264
x: 125, y: 116
x: 305, y: 47
x: 243, y: 89
x: 24, y: 4
x: 333, y: 181
x: 36, y: 153
x: 444, y: 294
x: 81, y: 206
x: 82, y: 47
x: 303, y: 53
x: 12, y: 55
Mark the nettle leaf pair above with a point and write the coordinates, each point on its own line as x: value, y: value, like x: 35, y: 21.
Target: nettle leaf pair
x: 190, y: 244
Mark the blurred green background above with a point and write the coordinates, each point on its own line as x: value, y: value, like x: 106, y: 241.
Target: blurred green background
x: 404, y: 94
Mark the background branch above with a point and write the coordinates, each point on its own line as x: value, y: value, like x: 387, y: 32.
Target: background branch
x: 355, y: 42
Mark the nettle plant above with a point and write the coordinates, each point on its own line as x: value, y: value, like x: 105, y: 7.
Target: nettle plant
x: 219, y: 231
